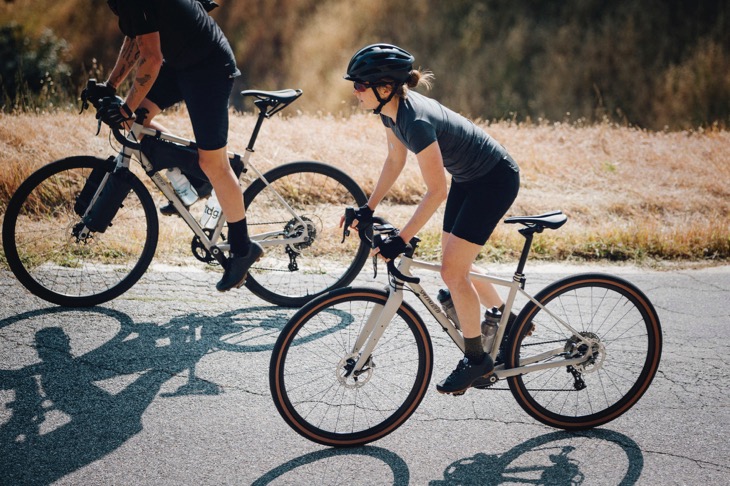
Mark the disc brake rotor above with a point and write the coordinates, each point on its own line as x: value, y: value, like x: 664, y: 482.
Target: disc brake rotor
x: 350, y: 379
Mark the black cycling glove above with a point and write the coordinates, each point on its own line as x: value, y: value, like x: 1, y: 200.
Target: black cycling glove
x: 364, y: 217
x: 114, y: 112
x: 392, y: 246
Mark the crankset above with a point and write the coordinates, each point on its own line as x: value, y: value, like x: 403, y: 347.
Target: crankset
x: 200, y: 251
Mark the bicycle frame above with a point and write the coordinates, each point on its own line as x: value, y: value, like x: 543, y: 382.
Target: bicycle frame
x: 129, y: 149
x: 382, y: 315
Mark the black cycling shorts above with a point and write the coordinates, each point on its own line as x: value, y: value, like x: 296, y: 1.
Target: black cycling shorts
x: 474, y: 208
x: 205, y: 91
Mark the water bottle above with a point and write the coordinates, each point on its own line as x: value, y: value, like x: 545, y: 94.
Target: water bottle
x: 489, y: 327
x: 444, y: 298
x: 183, y: 188
x: 211, y: 212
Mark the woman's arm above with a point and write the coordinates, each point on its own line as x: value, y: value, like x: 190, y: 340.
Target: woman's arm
x: 393, y: 166
x: 431, y: 164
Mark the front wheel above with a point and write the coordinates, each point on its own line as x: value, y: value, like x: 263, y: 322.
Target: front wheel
x: 291, y: 274
x: 311, y: 376
x: 618, y: 361
x: 48, y: 251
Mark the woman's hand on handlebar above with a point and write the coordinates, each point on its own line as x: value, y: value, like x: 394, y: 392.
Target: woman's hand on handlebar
x: 390, y: 247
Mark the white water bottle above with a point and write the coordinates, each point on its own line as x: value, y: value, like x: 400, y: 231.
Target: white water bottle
x: 185, y: 191
x: 211, y: 212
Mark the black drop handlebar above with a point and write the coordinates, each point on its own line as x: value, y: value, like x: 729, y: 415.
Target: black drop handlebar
x: 95, y: 93
x: 382, y: 229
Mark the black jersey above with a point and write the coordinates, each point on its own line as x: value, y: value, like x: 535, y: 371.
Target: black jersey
x: 467, y: 150
x: 188, y: 35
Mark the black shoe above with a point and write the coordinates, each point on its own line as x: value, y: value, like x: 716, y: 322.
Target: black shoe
x: 169, y: 210
x: 464, y: 375
x: 237, y: 268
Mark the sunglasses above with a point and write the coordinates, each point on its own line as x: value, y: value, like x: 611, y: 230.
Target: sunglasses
x: 360, y: 87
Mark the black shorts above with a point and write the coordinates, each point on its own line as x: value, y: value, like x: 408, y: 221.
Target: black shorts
x: 474, y: 208
x: 205, y: 90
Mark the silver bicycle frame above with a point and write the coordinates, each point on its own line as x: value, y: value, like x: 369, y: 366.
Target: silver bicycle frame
x: 381, y: 317
x: 264, y: 239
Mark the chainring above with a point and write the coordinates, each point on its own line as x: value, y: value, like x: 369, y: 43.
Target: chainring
x: 200, y: 251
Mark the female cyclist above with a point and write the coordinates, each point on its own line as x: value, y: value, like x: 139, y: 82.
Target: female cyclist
x: 485, y: 182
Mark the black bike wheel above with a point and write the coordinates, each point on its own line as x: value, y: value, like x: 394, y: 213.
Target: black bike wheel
x: 308, y: 372
x: 624, y: 356
x: 51, y: 262
x: 290, y: 275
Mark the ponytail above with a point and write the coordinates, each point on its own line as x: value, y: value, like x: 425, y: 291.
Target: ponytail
x: 415, y: 79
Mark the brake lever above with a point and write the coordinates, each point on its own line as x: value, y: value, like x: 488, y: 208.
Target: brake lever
x: 349, y: 218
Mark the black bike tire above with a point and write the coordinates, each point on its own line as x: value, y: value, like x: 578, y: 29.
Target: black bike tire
x: 359, y: 198
x: 523, y: 394
x: 21, y: 272
x: 277, y: 379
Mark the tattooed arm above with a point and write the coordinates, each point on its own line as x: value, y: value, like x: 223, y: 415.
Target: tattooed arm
x: 126, y: 60
x: 149, y: 51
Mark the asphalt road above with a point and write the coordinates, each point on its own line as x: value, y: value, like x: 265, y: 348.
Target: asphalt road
x: 169, y: 385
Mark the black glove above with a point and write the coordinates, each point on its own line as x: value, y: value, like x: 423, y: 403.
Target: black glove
x: 392, y: 246
x: 114, y: 112
x: 364, y: 216
x: 94, y: 92
x: 102, y: 90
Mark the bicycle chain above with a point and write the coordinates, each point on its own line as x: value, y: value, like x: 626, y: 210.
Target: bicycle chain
x: 536, y: 389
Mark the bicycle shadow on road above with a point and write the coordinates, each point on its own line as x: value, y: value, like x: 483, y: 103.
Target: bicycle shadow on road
x: 597, y: 456
x: 341, y: 466
x: 558, y: 458
x: 76, y: 383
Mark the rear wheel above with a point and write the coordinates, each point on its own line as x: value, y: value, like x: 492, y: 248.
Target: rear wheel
x: 51, y: 256
x: 291, y: 274
x: 620, y: 361
x: 311, y: 376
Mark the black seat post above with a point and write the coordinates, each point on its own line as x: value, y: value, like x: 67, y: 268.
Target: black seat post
x: 528, y: 233
x: 262, y: 106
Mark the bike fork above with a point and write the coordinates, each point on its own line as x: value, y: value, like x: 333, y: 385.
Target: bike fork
x: 374, y: 328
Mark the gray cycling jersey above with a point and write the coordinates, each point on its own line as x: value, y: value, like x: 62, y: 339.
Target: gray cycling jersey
x: 467, y: 150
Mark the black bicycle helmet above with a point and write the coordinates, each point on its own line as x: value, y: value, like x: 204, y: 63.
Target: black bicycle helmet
x: 377, y: 62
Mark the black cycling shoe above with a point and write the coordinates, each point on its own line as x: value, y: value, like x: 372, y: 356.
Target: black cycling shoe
x: 465, y: 375
x: 169, y: 210
x: 237, y: 268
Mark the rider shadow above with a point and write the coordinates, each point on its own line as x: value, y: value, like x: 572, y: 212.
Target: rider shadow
x: 70, y: 409
x: 551, y: 459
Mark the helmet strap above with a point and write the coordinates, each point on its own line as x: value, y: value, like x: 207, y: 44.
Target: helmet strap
x: 382, y: 101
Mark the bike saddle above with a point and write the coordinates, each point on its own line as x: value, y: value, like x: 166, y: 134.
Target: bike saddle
x: 281, y: 96
x: 551, y: 220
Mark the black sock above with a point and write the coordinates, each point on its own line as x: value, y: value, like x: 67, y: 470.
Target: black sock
x: 473, y: 349
x: 238, y: 237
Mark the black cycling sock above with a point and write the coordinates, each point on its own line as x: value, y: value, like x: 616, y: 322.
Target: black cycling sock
x: 238, y: 237
x: 473, y: 349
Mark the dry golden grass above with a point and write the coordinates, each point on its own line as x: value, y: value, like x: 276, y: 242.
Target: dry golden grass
x: 630, y: 194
